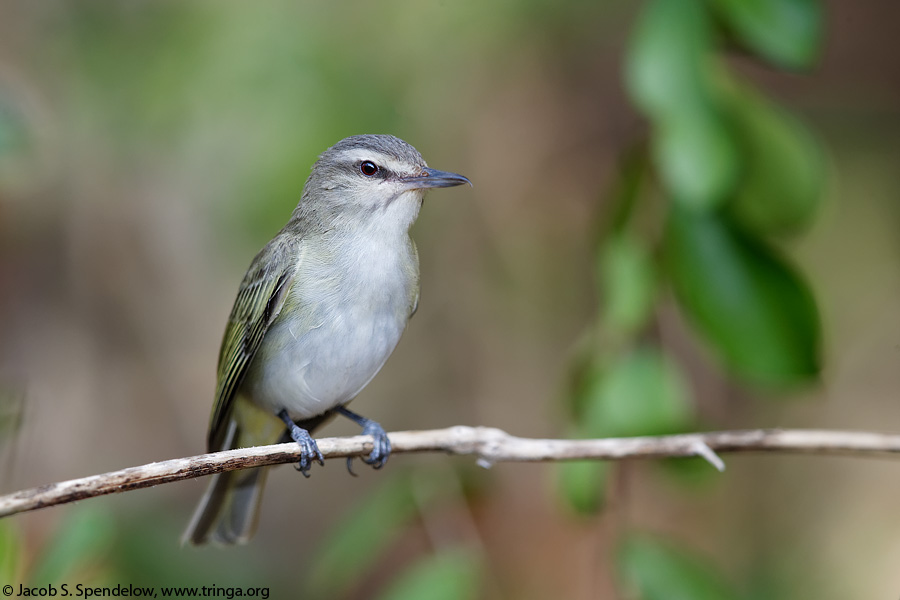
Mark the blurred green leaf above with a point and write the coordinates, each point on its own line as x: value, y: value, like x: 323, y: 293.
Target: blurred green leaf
x: 584, y: 375
x: 631, y: 173
x: 13, y: 131
x: 80, y: 547
x: 124, y: 77
x: 145, y: 552
x: 785, y: 166
x: 657, y: 570
x: 671, y: 73
x: 786, y: 32
x: 448, y: 575
x: 628, y: 283
x: 360, y: 537
x: 759, y: 315
x: 583, y: 483
x: 669, y: 57
x: 693, y: 472
x: 642, y: 394
x: 698, y: 158
x: 19, y: 160
x: 12, y: 410
x: 10, y: 552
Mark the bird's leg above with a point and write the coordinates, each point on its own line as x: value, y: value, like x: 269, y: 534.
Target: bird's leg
x: 309, y: 450
x: 381, y: 448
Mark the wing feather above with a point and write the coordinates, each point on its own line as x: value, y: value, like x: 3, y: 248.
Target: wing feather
x: 258, y: 302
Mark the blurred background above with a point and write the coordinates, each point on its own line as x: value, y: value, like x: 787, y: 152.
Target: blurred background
x: 149, y: 149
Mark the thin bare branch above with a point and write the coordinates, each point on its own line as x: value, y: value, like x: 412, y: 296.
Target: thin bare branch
x: 487, y: 444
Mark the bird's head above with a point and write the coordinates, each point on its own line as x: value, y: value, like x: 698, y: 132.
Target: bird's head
x: 368, y: 175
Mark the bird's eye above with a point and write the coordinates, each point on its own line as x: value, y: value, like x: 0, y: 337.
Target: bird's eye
x: 368, y: 168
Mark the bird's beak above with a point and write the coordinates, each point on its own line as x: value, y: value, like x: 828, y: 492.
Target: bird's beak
x: 432, y: 178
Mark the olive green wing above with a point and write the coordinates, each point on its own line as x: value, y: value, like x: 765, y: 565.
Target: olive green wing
x: 258, y: 302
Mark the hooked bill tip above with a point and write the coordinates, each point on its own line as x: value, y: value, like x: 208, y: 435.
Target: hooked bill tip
x: 432, y: 178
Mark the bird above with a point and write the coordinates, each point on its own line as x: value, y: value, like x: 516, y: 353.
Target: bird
x: 319, y: 311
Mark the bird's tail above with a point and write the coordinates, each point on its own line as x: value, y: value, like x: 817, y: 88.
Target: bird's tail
x: 229, y: 510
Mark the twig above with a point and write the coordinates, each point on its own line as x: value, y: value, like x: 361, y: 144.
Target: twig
x: 489, y: 445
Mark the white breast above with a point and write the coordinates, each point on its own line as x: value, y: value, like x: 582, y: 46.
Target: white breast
x: 342, y: 318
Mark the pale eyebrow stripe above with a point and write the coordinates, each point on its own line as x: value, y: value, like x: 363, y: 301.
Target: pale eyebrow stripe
x: 382, y: 160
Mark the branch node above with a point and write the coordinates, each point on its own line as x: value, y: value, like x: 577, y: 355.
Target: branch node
x: 703, y: 450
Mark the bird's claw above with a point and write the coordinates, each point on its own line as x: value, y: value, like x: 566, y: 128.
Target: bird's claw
x: 309, y: 451
x: 381, y: 447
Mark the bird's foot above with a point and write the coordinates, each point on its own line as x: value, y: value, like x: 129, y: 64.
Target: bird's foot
x: 309, y: 450
x: 381, y: 446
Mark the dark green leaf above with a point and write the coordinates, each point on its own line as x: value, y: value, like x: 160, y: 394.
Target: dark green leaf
x: 655, y: 570
x: 786, y: 32
x: 630, y: 177
x: 785, y: 167
x: 628, y: 283
x: 758, y: 314
x: 642, y: 394
x: 690, y: 472
x: 449, y: 575
x: 582, y: 484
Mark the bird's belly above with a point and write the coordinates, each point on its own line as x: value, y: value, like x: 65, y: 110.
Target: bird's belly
x: 310, y: 372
